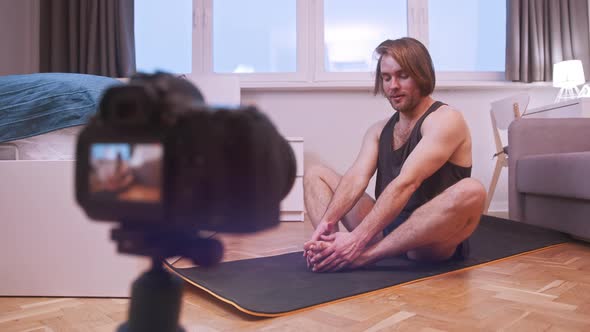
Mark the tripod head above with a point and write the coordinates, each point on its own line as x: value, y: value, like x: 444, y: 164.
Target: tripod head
x: 160, y: 242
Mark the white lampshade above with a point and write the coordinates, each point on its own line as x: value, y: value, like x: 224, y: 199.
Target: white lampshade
x: 568, y: 74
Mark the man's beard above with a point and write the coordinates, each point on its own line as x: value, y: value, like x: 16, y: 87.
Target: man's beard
x: 410, y: 104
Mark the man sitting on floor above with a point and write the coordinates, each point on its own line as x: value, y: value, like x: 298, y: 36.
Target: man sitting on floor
x: 427, y: 205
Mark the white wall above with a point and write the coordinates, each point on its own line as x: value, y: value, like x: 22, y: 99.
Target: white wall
x: 334, y: 122
x: 18, y: 37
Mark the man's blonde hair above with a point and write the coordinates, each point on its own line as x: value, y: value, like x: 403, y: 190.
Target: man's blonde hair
x: 413, y: 57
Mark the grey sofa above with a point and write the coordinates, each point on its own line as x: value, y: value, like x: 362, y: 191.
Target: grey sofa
x: 549, y: 174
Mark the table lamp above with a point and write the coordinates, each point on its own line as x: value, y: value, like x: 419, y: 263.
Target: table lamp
x: 567, y: 75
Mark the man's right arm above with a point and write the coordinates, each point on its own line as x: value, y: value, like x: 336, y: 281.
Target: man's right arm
x: 354, y: 182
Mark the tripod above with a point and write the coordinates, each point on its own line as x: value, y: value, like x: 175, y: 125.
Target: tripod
x: 156, y: 295
x: 155, y: 302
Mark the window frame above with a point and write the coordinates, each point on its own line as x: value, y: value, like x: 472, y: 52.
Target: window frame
x: 310, y: 69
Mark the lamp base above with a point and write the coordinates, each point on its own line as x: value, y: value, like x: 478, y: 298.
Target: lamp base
x: 585, y: 92
x: 567, y: 94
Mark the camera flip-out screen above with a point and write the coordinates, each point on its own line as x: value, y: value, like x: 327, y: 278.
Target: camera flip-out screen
x: 126, y: 172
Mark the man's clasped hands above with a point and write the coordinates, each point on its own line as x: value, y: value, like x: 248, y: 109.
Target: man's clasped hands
x: 331, y: 251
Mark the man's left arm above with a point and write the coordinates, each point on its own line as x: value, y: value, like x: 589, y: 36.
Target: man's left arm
x: 442, y: 133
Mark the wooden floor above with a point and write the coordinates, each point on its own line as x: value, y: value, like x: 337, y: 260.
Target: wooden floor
x: 542, y: 291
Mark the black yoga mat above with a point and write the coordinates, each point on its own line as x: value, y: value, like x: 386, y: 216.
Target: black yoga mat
x: 277, y: 285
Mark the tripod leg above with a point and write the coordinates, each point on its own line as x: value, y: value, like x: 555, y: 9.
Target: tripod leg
x: 155, y: 302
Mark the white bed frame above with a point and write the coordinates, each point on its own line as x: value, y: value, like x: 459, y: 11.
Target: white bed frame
x: 48, y: 247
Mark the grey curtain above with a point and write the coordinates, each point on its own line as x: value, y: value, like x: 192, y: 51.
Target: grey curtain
x: 87, y: 36
x: 540, y: 33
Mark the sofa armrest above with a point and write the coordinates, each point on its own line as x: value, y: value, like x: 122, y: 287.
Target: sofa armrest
x: 541, y: 136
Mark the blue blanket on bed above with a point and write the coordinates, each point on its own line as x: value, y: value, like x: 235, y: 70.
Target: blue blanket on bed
x: 35, y: 104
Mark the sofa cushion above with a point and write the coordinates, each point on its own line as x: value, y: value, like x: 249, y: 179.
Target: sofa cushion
x: 556, y: 174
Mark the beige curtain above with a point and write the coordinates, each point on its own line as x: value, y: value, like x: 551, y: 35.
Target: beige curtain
x: 87, y: 36
x: 540, y: 33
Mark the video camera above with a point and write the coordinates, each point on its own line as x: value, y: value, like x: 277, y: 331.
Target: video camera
x: 165, y: 166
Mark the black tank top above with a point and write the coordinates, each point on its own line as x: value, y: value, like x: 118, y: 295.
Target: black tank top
x: 390, y: 163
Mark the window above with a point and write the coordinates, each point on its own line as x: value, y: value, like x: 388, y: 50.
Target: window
x: 315, y: 41
x: 477, y: 44
x: 163, y: 36
x: 254, y: 36
x: 352, y: 30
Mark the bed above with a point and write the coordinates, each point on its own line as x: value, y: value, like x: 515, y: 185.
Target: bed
x: 41, y: 114
x: 55, y: 145
x: 48, y: 247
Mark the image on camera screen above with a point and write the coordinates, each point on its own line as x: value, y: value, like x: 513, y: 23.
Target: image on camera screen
x: 126, y: 172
